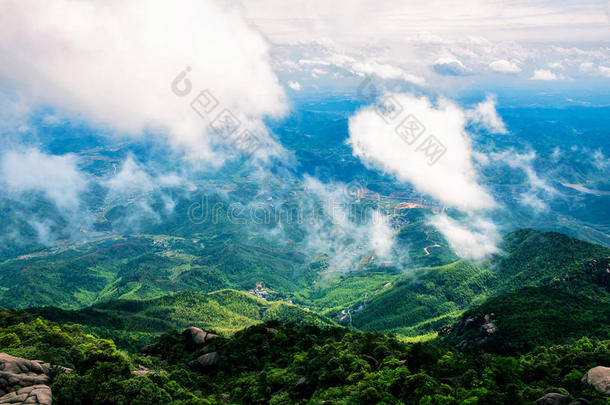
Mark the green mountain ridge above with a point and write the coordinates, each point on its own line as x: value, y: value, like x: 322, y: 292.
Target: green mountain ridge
x: 224, y: 312
x: 426, y: 299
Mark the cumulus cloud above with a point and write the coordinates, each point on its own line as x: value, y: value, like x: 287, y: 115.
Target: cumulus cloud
x: 545, y: 75
x: 296, y: 86
x: 557, y: 66
x: 476, y: 240
x: 55, y: 176
x: 386, y: 71
x: 486, y: 115
x: 452, y: 179
x: 451, y: 67
x: 394, y: 144
x: 504, y: 66
x: 130, y: 179
x: 586, y: 67
x: 113, y: 63
x: 590, y: 68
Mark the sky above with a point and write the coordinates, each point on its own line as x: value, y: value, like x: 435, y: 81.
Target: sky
x: 167, y: 69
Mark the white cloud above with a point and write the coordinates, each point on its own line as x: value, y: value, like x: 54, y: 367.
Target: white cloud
x: 342, y: 20
x: 586, y: 67
x: 546, y: 75
x: 56, y: 177
x: 604, y: 71
x: 112, y: 62
x: 486, y: 115
x: 344, y: 239
x: 531, y: 200
x: 451, y: 67
x: 296, y: 86
x: 129, y: 180
x: 475, y: 240
x: 557, y: 66
x: 537, y: 185
x: 452, y: 180
x: 386, y: 71
x: 504, y: 66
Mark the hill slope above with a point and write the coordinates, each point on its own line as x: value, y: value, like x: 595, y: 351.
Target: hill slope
x: 426, y: 299
x: 224, y: 312
x: 521, y: 320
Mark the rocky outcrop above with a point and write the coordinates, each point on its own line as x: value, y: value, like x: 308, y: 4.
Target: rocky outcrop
x: 143, y: 371
x: 601, y: 270
x: 195, y: 337
x: 29, y: 376
x: 484, y: 325
x: 552, y: 398
x: 598, y: 378
x: 205, y: 361
x: 15, y: 371
x: 34, y: 395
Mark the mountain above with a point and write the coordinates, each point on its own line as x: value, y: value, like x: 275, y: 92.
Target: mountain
x: 275, y: 363
x: 143, y: 267
x: 521, y: 320
x: 425, y: 299
x: 410, y: 302
x: 541, y: 258
x: 224, y: 312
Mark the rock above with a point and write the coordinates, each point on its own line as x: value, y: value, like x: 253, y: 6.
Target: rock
x: 552, y: 398
x: 599, y: 378
x: 196, y: 337
x: 23, y: 372
x: 445, y: 330
x: 143, y: 371
x: 302, y: 381
x: 205, y: 361
x: 600, y: 270
x: 580, y: 401
x: 489, y: 327
x: 36, y: 394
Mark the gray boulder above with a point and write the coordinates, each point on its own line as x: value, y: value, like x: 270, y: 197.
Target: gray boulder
x: 205, y: 361
x: 552, y: 398
x: 196, y: 337
x: 23, y: 372
x: 35, y: 395
x: 598, y: 378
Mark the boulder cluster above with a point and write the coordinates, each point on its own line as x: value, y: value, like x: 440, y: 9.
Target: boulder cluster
x: 197, y: 339
x: 597, y: 378
x: 24, y: 381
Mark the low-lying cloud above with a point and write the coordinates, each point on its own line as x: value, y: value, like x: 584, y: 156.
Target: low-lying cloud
x: 452, y: 179
x: 57, y: 177
x: 486, y: 115
x: 113, y: 63
x: 394, y: 139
